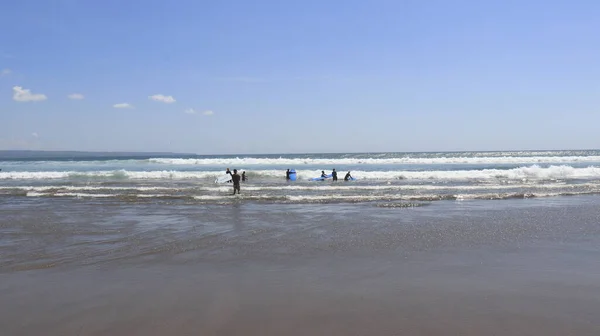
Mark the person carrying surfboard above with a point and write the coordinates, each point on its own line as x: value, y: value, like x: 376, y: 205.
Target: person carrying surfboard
x: 287, y: 174
x: 347, y: 177
x: 228, y: 172
x: 236, y: 181
x: 323, y: 175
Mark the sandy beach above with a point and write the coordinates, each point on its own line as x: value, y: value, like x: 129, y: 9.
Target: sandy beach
x: 520, y: 267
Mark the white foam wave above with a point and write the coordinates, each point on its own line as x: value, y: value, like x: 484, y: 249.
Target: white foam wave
x: 334, y: 197
x: 86, y: 188
x: 522, y: 173
x: 78, y: 195
x: 296, y: 162
x: 423, y: 197
x: 309, y: 187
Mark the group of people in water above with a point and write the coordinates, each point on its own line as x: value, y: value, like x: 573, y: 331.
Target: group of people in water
x: 236, y: 178
x: 348, y: 177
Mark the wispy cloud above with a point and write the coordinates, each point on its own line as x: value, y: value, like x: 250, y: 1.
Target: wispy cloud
x: 25, y: 95
x: 5, y: 72
x: 123, y: 105
x: 192, y: 111
x: 162, y: 98
x: 35, y: 135
x: 75, y: 96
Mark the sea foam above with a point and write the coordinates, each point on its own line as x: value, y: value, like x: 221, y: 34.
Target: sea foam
x: 533, y: 172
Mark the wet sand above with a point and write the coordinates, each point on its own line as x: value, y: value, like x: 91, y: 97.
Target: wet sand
x: 522, y: 267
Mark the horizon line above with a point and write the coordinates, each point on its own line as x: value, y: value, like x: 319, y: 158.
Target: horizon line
x: 288, y: 153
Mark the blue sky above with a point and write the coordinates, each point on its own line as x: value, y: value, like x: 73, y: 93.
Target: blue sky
x: 305, y: 76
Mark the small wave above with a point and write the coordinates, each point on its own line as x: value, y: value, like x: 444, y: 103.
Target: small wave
x: 308, y: 187
x: 330, y: 198
x: 77, y: 195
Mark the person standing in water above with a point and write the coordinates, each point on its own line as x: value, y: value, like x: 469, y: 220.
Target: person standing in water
x: 334, y: 174
x: 244, y: 176
x: 236, y: 181
x: 347, y: 177
x: 287, y: 174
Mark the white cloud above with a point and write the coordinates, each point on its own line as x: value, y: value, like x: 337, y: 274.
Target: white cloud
x: 24, y: 95
x: 76, y: 96
x: 34, y: 134
x: 190, y: 111
x: 208, y: 113
x: 162, y: 98
x: 5, y: 72
x: 123, y: 105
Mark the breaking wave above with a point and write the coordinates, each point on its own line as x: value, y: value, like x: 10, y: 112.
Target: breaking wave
x: 295, y: 162
x: 533, y: 172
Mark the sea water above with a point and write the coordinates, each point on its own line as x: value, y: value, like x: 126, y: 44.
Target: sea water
x: 380, y: 177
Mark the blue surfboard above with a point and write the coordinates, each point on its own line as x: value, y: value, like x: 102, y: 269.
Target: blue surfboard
x: 320, y: 178
x: 293, y: 175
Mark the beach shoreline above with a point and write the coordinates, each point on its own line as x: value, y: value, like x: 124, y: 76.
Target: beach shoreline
x: 526, y: 267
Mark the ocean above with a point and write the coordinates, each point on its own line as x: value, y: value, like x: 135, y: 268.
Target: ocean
x: 380, y: 177
x: 464, y: 243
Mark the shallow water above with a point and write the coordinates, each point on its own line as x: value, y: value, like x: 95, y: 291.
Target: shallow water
x: 103, y: 267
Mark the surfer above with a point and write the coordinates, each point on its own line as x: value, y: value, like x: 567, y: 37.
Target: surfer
x: 347, y: 177
x: 244, y: 176
x: 228, y: 172
x: 334, y: 174
x: 287, y: 174
x: 236, y: 181
x: 323, y: 175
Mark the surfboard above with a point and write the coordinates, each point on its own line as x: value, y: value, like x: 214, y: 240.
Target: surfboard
x: 223, y: 179
x: 293, y: 175
x: 320, y: 178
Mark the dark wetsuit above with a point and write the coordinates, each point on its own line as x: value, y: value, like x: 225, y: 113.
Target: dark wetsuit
x: 244, y: 176
x: 347, y: 177
x: 334, y: 175
x: 287, y: 174
x: 236, y: 183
